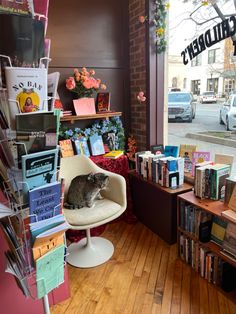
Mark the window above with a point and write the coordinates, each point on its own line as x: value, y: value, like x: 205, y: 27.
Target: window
x: 196, y: 61
x: 174, y: 82
x: 185, y: 83
x: 212, y: 84
x: 195, y: 87
x: 229, y: 85
x: 211, y: 56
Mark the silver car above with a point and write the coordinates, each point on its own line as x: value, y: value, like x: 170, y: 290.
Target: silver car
x: 181, y: 106
x: 228, y: 113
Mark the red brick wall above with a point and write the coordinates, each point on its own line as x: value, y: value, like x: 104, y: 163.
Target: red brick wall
x: 137, y: 72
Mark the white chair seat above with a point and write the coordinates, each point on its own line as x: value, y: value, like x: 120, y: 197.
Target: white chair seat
x: 102, y: 210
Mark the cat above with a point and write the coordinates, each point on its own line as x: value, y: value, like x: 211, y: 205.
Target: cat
x: 84, y: 189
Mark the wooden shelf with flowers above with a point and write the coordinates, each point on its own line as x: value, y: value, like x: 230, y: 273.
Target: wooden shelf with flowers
x: 104, y: 115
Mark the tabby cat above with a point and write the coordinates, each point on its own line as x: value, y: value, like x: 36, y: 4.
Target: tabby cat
x: 84, y: 189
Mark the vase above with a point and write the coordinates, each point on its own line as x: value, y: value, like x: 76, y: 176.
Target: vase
x: 84, y: 106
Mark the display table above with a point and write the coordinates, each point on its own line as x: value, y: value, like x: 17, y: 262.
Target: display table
x: 156, y: 206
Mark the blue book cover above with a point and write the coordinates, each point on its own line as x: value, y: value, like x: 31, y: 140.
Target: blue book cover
x: 38, y: 169
x: 171, y: 151
x: 45, y: 201
x: 97, y: 146
x: 50, y: 271
x: 81, y: 147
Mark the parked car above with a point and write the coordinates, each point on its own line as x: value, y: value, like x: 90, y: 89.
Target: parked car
x: 181, y: 106
x: 228, y: 113
x: 208, y: 97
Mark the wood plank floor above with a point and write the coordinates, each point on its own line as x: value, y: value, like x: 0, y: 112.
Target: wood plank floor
x: 144, y: 276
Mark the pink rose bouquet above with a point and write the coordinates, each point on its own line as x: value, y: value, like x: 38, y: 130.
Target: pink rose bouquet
x: 83, y: 83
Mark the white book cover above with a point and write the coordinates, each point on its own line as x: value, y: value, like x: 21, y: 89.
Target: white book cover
x: 27, y: 90
x: 53, y: 79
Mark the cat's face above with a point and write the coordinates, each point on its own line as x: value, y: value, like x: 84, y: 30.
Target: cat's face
x: 101, y: 180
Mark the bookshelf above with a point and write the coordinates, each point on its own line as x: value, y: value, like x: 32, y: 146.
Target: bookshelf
x: 210, y: 264
x: 156, y: 206
x: 103, y: 115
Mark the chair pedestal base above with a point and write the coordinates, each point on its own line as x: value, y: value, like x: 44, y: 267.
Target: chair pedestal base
x: 91, y: 254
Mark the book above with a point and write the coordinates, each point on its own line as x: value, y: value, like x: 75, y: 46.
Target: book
x: 36, y: 131
x: 109, y: 141
x: 96, y: 145
x: 38, y: 169
x: 103, y: 102
x: 22, y: 41
x: 218, y: 230
x: 224, y: 159
x: 171, y: 151
x: 50, y: 271
x: 66, y: 148
x: 113, y: 154
x: 219, y: 173
x: 27, y: 91
x: 53, y: 79
x: 16, y: 7
x: 45, y: 201
x: 230, y: 183
x: 186, y: 151
x: 81, y: 146
x: 198, y: 157
x: 232, y: 200
x: 229, y: 242
x: 205, y: 226
x: 157, y: 149
x: 84, y: 106
x: 229, y: 214
x: 6, y: 154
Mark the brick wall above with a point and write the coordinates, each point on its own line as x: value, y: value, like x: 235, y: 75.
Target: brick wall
x: 137, y: 72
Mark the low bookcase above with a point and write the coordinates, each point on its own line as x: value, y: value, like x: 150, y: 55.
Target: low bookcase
x: 156, y: 206
x: 195, y: 246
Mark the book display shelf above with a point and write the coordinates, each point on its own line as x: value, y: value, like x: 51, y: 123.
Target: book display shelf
x: 103, y: 115
x: 200, y: 245
x: 156, y: 206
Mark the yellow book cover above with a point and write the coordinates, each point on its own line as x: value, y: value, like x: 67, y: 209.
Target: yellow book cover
x: 114, y: 154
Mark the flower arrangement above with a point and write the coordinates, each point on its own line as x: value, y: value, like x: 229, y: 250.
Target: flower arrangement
x: 83, y: 83
x: 132, y: 147
x: 114, y: 124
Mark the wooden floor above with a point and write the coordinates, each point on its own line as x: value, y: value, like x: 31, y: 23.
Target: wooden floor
x: 144, y: 276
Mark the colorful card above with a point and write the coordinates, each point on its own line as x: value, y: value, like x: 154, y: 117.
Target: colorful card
x: 84, y: 106
x: 96, y: 144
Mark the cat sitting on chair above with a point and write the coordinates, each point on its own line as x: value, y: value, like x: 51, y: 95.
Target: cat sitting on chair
x: 84, y: 189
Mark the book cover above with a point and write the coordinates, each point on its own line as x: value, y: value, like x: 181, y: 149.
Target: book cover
x: 50, y: 271
x: 186, y: 151
x: 103, y: 102
x: 45, y: 202
x: 39, y: 168
x: 219, y: 173
x: 171, y: 151
x: 232, y: 200
x: 84, y: 106
x: 218, y: 230
x: 81, y: 147
x: 22, y: 39
x: 109, y: 141
x: 21, y: 7
x: 66, y: 148
x: 205, y: 227
x: 224, y: 159
x: 229, y: 214
x: 157, y: 149
x: 96, y: 144
x: 36, y: 131
x: 113, y: 154
x: 199, y: 157
x: 230, y: 183
x: 229, y: 242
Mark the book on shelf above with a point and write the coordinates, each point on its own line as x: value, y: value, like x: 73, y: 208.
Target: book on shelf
x: 157, y: 149
x: 38, y: 169
x: 50, y: 271
x: 171, y: 150
x: 218, y: 175
x: 45, y: 201
x: 81, y: 146
x: 199, y: 157
x: 23, y: 7
x: 230, y: 183
x: 232, y: 200
x: 53, y: 79
x: 36, y: 131
x: 205, y: 226
x: 229, y: 214
x: 229, y: 242
x: 113, y: 154
x: 66, y: 148
x: 103, y: 102
x: 109, y: 141
x: 218, y: 230
x: 96, y: 145
x: 224, y: 159
x: 186, y: 151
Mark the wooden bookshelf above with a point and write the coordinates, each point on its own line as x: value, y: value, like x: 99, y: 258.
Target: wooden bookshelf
x: 104, y: 115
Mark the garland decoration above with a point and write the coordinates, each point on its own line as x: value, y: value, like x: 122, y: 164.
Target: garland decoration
x: 159, y: 21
